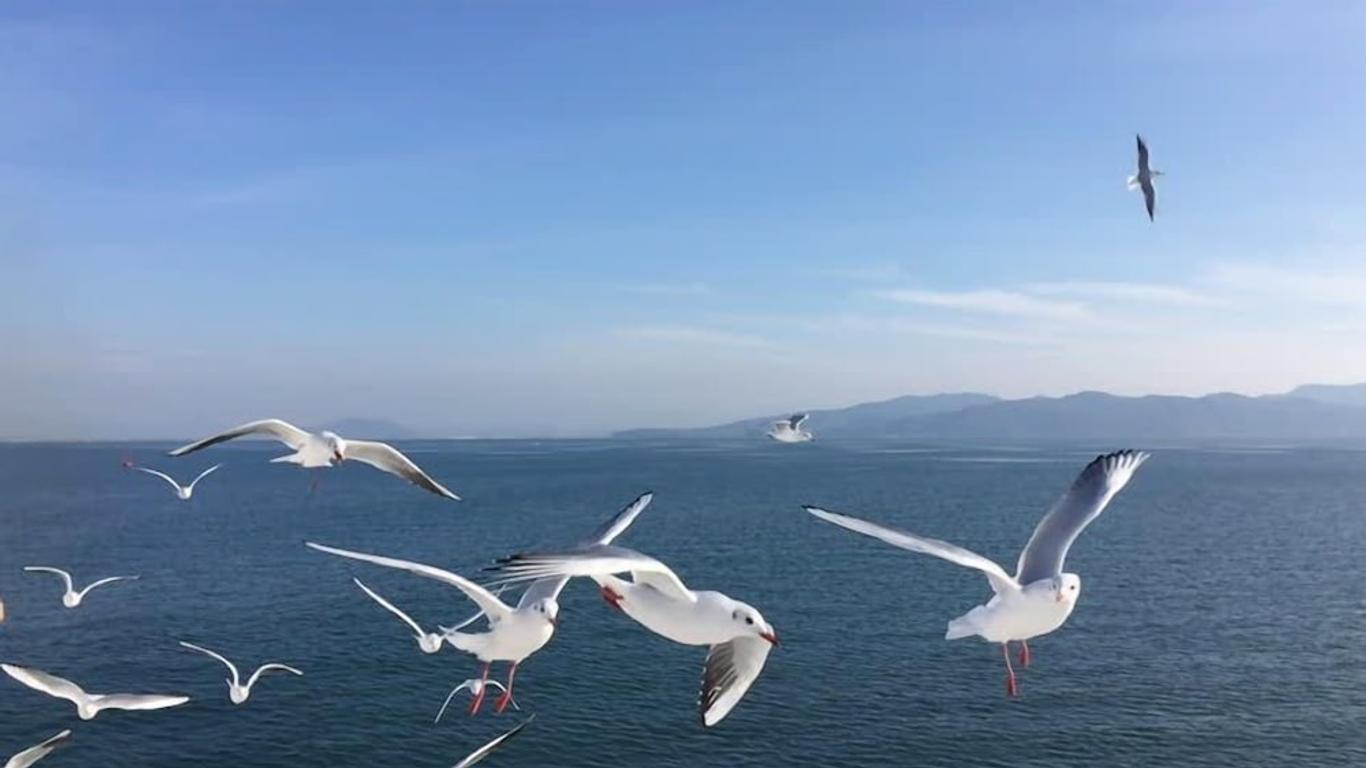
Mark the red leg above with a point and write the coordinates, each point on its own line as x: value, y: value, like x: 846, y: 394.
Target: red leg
x: 1011, y: 688
x: 506, y: 698
x: 610, y: 595
x: 1024, y: 653
x: 478, y: 700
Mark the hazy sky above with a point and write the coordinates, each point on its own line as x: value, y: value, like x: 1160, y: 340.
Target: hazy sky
x: 564, y: 218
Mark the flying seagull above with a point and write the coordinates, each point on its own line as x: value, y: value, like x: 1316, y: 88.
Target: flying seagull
x: 738, y: 637
x: 326, y: 449
x: 35, y: 753
x: 71, y: 598
x: 237, y: 692
x: 1039, y: 597
x: 513, y: 633
x: 478, y: 755
x: 1145, y: 179
x: 88, y: 705
x: 476, y: 688
x: 790, y: 430
x: 184, y: 492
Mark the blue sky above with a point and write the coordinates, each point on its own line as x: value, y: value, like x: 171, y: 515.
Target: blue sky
x: 564, y: 218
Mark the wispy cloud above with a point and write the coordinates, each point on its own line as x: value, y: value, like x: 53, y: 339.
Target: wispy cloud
x: 1345, y: 287
x: 687, y: 334
x: 993, y: 302
x: 666, y: 289
x: 1138, y: 293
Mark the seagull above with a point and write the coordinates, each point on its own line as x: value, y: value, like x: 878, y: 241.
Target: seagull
x: 738, y: 637
x: 34, y: 754
x: 790, y: 430
x: 514, y: 633
x: 237, y: 692
x: 478, y: 755
x: 184, y: 492
x: 88, y: 705
x: 72, y: 598
x: 476, y: 688
x: 1039, y: 597
x: 429, y: 642
x: 327, y: 449
x: 1144, y: 179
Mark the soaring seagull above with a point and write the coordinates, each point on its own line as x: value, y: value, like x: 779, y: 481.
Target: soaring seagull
x: 1144, y: 178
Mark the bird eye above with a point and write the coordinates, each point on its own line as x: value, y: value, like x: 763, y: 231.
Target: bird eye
x: 749, y: 620
x: 1073, y: 587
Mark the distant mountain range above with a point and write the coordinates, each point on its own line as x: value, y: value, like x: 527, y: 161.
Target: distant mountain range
x: 1311, y: 413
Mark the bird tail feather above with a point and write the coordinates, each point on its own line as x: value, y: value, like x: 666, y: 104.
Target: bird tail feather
x: 965, y: 625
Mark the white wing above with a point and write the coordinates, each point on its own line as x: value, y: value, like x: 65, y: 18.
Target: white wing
x: 264, y: 668
x: 66, y: 577
x: 140, y: 701
x: 233, y: 667
x: 389, y: 606
x: 161, y: 475
x: 1106, y: 475
x: 283, y: 431
x: 797, y: 420
x: 484, y: 751
x: 35, y: 753
x: 732, y: 667
x: 201, y: 476
x: 1000, y: 580
x: 605, y: 534
x: 102, y: 582
x: 49, y: 684
x: 485, y: 599
x: 388, y: 458
x: 594, y: 560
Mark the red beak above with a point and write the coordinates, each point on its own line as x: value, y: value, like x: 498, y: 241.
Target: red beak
x: 772, y: 637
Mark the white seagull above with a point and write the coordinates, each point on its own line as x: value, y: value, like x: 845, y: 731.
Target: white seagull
x: 1145, y: 179
x: 429, y: 642
x: 71, y: 598
x: 88, y: 705
x: 327, y: 449
x: 237, y: 692
x: 790, y: 430
x: 476, y: 688
x: 183, y: 492
x: 514, y: 633
x: 35, y: 753
x: 478, y: 755
x: 737, y: 635
x: 1039, y: 597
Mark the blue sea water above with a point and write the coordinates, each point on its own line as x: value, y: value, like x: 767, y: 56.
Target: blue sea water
x: 1221, y: 621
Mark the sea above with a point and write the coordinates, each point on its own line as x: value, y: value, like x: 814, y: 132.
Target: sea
x: 1222, y: 619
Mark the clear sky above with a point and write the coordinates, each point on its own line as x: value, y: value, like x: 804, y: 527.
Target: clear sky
x: 509, y: 218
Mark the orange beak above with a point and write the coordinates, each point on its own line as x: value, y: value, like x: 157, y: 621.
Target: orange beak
x: 772, y: 637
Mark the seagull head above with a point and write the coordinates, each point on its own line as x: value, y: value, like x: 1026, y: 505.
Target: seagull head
x: 751, y: 622
x: 549, y: 608
x: 337, y: 445
x: 1067, y: 588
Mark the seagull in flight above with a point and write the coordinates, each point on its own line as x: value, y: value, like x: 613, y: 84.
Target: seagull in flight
x: 1040, y: 596
x: 88, y: 705
x: 71, y: 598
x: 326, y: 449
x: 1145, y: 179
x: 237, y: 692
x: 514, y: 633
x: 428, y: 642
x: 478, y: 755
x: 476, y: 688
x: 183, y: 492
x: 790, y: 430
x: 35, y: 753
x: 738, y: 637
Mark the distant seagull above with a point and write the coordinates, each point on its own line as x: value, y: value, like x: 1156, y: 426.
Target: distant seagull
x: 237, y: 692
x: 478, y: 755
x: 476, y: 688
x: 790, y: 430
x: 1039, y: 597
x: 184, y: 492
x: 1145, y: 179
x: 429, y: 642
x: 738, y: 637
x: 327, y: 449
x: 34, y: 754
x: 88, y: 705
x: 514, y: 633
x: 71, y: 598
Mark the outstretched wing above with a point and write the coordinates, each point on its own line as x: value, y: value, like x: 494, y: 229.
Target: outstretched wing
x: 1149, y: 196
x: 283, y: 431
x: 102, y: 582
x: 732, y: 667
x: 388, y: 458
x: 605, y: 534
x: 1142, y: 154
x: 231, y: 667
x: 1043, y: 556
x: 66, y: 577
x: 202, y: 475
x: 389, y: 606
x: 594, y: 560
x: 161, y: 475
x: 479, y: 754
x: 38, y: 752
x: 264, y: 668
x: 797, y: 420
x: 486, y: 600
x: 1000, y: 580
x: 141, y: 701
x: 52, y: 685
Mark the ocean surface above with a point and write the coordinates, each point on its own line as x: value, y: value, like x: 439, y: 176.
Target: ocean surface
x: 1222, y: 619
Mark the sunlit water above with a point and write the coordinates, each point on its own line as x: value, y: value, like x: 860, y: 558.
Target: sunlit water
x: 1221, y: 620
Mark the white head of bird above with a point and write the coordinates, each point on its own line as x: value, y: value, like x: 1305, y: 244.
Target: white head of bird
x: 1060, y: 589
x: 549, y: 608
x: 337, y: 445
x: 750, y: 622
